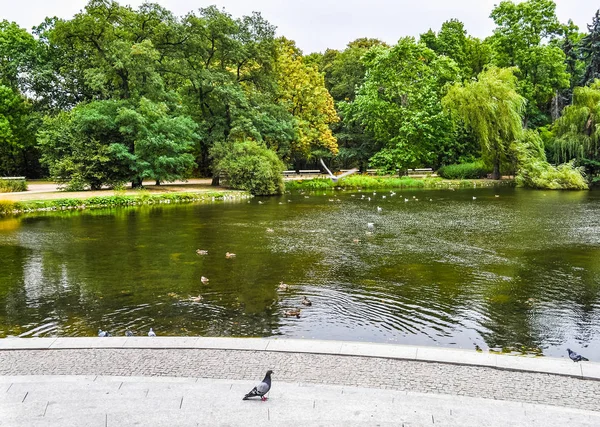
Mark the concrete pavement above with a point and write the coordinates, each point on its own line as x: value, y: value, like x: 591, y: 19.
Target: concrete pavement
x: 192, y: 381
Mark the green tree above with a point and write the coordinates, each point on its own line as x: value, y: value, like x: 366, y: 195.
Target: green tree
x: 492, y: 109
x: 590, y: 50
x: 249, y: 166
x: 399, y: 103
x: 577, y: 131
x: 519, y: 41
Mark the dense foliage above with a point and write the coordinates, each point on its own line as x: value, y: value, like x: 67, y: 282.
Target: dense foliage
x: 472, y: 170
x: 249, y: 166
x: 119, y: 94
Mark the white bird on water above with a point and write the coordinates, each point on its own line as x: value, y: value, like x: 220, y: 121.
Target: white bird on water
x: 335, y: 178
x: 370, y: 225
x: 379, y: 209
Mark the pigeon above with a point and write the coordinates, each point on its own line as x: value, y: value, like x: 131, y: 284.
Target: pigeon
x: 102, y: 333
x: 576, y: 357
x: 337, y: 178
x: 128, y: 333
x: 261, y: 389
x: 151, y: 333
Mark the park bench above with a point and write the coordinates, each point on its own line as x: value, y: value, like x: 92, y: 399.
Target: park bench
x: 310, y: 172
x: 12, y: 178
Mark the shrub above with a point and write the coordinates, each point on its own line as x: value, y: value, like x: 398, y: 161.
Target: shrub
x: 535, y: 172
x: 249, y: 166
x: 12, y: 185
x: 472, y: 170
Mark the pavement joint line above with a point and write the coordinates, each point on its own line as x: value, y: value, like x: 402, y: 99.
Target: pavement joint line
x: 318, y: 347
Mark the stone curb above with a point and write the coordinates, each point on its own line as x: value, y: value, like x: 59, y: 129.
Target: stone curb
x: 548, y: 365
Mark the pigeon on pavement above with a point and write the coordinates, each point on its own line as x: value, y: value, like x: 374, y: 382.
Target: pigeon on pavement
x: 261, y: 389
x: 151, y: 333
x: 102, y: 333
x: 128, y: 333
x: 576, y: 357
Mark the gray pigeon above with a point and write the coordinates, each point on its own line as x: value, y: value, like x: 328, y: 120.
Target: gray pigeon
x: 261, y: 389
x: 102, y: 333
x: 576, y: 357
x: 335, y: 178
x: 128, y: 333
x: 151, y: 333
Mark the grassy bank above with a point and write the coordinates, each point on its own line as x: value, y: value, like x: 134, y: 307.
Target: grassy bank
x: 116, y: 200
x: 382, y: 182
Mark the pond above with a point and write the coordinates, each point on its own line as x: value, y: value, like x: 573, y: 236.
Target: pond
x: 506, y: 269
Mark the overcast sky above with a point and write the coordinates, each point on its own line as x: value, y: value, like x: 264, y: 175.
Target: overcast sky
x: 319, y: 24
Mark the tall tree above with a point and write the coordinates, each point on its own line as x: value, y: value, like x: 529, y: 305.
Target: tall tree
x: 399, y: 103
x: 492, y: 109
x: 577, y: 131
x: 301, y: 90
x: 520, y: 40
x: 590, y: 50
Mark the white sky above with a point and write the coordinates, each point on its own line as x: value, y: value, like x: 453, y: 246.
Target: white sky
x: 319, y: 24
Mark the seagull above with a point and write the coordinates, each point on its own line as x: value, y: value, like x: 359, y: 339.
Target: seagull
x: 306, y: 302
x: 379, y: 209
x: 151, y: 333
x: 128, y: 333
x: 474, y: 198
x: 337, y: 178
x: 370, y: 225
x: 204, y: 280
x: 576, y: 357
x: 261, y: 389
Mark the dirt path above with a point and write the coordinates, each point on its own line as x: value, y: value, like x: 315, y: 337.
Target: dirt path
x: 44, y: 190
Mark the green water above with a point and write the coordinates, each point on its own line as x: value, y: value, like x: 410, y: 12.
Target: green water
x: 520, y: 271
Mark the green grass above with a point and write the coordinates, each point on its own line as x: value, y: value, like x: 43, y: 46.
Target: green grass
x: 12, y: 185
x: 383, y: 182
x: 7, y: 206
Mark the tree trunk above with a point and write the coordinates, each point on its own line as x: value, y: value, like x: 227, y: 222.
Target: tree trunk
x: 136, y: 182
x: 157, y: 182
x: 215, y: 181
x: 496, y: 173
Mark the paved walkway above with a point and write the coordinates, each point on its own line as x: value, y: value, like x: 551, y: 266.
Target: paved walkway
x: 418, y: 390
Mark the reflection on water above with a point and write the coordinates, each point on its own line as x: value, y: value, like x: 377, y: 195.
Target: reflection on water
x: 518, y: 271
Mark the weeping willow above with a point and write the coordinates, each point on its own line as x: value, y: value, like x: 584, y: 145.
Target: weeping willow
x: 577, y: 131
x: 492, y: 109
x: 535, y: 172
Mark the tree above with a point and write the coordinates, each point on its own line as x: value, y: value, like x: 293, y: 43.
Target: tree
x: 301, y: 90
x: 249, y: 166
x: 590, y: 50
x: 577, y: 131
x: 492, y: 109
x: 112, y: 141
x: 18, y: 124
x: 162, y: 143
x: 399, y: 103
x: 518, y: 41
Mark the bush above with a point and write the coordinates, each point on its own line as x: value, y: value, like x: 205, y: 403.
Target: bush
x: 12, y: 185
x: 472, y: 170
x: 535, y: 172
x: 249, y: 166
